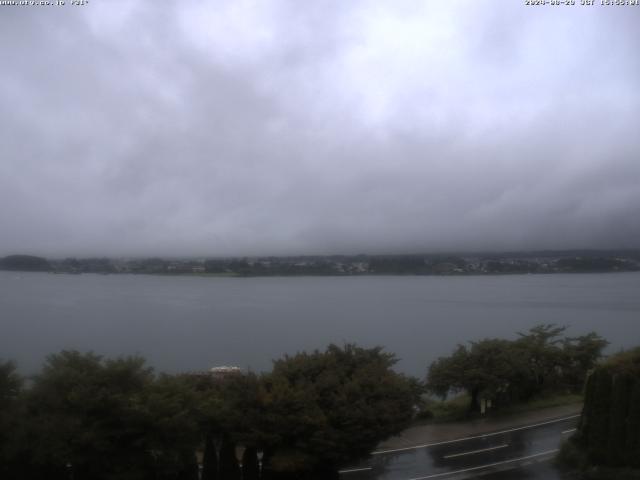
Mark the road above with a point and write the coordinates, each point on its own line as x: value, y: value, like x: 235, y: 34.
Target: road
x: 492, y: 455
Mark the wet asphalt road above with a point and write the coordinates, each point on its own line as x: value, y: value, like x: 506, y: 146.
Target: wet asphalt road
x: 521, y: 452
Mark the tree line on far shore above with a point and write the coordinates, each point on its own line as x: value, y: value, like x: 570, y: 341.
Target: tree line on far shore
x: 340, y: 265
x: 84, y: 416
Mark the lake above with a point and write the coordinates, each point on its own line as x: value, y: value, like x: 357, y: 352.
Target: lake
x: 184, y: 323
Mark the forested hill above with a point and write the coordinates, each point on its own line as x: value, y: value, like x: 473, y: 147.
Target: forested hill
x: 25, y: 263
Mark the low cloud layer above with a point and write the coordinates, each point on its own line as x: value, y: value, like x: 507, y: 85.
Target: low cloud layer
x: 250, y: 127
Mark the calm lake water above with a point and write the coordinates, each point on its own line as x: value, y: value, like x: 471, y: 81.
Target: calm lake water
x: 192, y: 323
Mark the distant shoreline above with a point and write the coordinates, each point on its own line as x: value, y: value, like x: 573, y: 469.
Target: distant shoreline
x: 341, y: 265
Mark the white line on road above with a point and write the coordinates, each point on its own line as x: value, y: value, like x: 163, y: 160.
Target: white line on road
x: 443, y: 474
x: 353, y: 470
x: 568, y: 431
x: 426, y: 445
x: 475, y: 451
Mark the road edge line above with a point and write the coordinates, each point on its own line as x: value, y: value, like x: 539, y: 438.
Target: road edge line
x: 490, y: 434
x: 489, y: 465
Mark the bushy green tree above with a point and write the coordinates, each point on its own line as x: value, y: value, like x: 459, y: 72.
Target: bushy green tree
x: 230, y: 409
x: 505, y: 371
x: 541, y: 347
x: 114, y: 419
x: 83, y: 413
x: 556, y: 362
x: 609, y: 429
x: 579, y: 356
x: 10, y: 391
x: 167, y: 411
x: 97, y: 418
x: 329, y: 407
x: 489, y: 369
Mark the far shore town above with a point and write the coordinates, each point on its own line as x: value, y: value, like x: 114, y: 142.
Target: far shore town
x: 574, y: 261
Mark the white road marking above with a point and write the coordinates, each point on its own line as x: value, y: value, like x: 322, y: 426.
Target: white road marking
x: 568, y: 431
x: 426, y: 445
x: 489, y: 465
x: 352, y: 470
x: 475, y: 451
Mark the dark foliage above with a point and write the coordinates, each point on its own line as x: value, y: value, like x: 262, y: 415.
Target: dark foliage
x: 609, y: 430
x: 508, y: 371
x: 329, y: 407
x: 86, y: 417
x: 26, y: 263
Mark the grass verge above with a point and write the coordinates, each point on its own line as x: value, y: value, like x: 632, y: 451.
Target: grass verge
x: 457, y: 408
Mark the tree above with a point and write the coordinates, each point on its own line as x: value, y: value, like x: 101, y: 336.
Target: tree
x: 10, y: 391
x: 507, y: 371
x: 541, y: 346
x: 581, y: 355
x: 229, y: 408
x: 109, y: 419
x: 609, y: 429
x: 448, y: 374
x: 167, y: 412
x: 489, y: 369
x: 330, y: 407
x: 84, y: 413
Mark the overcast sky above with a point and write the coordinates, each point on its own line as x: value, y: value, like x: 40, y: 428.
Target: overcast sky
x: 275, y: 127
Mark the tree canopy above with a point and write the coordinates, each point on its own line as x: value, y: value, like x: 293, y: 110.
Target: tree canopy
x: 507, y: 371
x: 101, y: 419
x: 332, y: 406
x: 89, y: 417
x: 608, y: 434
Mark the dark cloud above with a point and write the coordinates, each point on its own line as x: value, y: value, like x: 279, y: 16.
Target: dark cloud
x: 268, y: 127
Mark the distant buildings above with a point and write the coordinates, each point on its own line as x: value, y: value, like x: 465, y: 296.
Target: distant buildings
x: 341, y: 265
x: 224, y: 371
x: 218, y: 373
